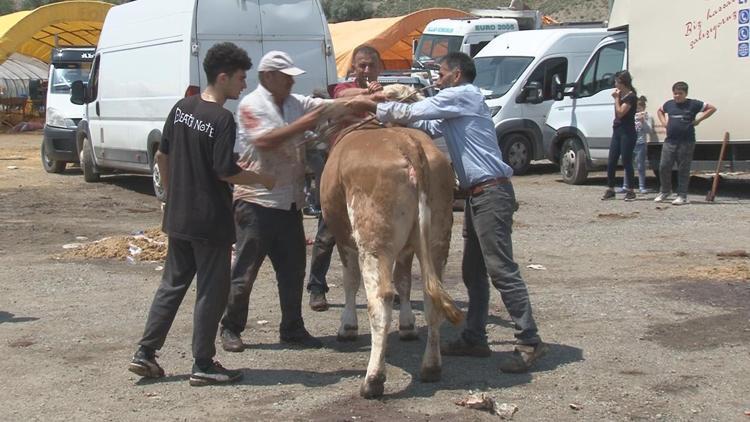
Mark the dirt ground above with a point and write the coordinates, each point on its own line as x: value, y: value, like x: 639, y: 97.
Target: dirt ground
x: 644, y: 319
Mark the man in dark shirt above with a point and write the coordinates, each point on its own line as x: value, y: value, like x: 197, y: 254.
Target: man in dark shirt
x: 680, y: 116
x: 196, y: 162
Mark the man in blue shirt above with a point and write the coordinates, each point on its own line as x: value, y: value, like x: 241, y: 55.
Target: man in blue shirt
x: 458, y: 113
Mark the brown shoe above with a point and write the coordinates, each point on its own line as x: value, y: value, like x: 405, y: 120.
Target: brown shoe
x: 460, y: 347
x: 523, y: 358
x: 318, y: 302
x: 231, y: 341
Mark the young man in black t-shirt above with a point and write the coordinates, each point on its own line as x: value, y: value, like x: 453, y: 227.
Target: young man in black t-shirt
x: 680, y: 116
x: 197, y: 164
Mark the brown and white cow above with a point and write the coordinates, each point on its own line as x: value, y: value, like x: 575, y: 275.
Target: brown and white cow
x: 386, y: 195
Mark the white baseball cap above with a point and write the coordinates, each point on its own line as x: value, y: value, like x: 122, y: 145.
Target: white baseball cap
x: 279, y: 61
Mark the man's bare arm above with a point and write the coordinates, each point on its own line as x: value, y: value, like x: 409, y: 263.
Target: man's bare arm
x: 162, y: 160
x: 247, y: 177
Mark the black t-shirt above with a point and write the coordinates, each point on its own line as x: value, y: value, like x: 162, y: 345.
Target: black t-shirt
x: 199, y: 139
x: 627, y: 121
x: 681, y: 117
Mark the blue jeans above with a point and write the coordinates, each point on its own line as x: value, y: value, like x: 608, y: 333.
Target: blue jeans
x: 640, y: 164
x: 623, y: 143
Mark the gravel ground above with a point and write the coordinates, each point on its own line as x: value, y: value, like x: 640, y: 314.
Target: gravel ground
x: 643, y: 319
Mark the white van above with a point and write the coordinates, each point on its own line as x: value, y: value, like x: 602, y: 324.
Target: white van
x: 583, y: 119
x: 150, y: 54
x: 66, y: 66
x: 519, y: 74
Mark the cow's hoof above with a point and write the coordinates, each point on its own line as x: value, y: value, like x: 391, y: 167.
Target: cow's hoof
x: 430, y: 374
x: 372, y: 387
x: 407, y: 333
x: 347, y: 333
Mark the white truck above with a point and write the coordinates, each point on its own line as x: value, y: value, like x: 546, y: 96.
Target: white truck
x: 468, y: 35
x: 67, y: 65
x: 150, y: 55
x: 702, y: 43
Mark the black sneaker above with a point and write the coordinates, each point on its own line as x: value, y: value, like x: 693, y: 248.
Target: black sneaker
x: 460, y: 347
x: 523, y: 358
x: 231, y: 341
x: 302, y: 339
x: 630, y: 195
x: 214, y: 374
x: 608, y: 194
x: 144, y: 364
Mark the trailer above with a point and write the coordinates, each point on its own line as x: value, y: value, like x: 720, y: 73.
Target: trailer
x: 704, y: 43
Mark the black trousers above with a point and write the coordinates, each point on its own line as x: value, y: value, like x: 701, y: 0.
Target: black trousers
x: 320, y: 260
x: 185, y: 259
x: 278, y: 234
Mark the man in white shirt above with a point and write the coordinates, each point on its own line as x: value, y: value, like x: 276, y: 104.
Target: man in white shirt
x: 272, y: 122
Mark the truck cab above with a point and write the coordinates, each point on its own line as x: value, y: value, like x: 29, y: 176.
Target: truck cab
x: 468, y: 35
x: 67, y: 65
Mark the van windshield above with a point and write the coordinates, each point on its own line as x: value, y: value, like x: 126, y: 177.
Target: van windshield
x: 432, y: 47
x: 63, y: 76
x: 496, y: 75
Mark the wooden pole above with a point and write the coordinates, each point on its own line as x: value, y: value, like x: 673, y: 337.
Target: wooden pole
x: 711, y: 195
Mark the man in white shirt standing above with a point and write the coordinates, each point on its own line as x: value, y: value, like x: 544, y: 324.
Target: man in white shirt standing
x: 272, y: 122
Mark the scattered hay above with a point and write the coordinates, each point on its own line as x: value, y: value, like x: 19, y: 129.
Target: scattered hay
x: 618, y: 216
x: 737, y: 272
x: 149, y: 246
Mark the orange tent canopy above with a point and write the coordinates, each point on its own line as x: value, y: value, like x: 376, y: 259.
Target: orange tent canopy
x: 392, y: 37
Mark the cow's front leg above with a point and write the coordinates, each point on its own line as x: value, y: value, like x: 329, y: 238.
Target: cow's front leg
x: 431, y: 362
x: 379, y: 307
x: 407, y: 329
x: 351, y: 278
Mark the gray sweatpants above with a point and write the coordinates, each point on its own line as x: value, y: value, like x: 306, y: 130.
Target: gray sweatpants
x: 184, y: 259
x: 488, y: 250
x: 682, y: 152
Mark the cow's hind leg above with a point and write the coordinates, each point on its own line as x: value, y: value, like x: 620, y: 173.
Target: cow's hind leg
x: 407, y: 330
x: 431, y: 370
x: 351, y: 278
x: 376, y: 274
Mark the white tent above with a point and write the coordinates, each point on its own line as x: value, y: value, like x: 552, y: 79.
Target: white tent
x: 17, y: 71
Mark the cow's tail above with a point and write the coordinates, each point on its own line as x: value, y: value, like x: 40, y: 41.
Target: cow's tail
x: 441, y: 300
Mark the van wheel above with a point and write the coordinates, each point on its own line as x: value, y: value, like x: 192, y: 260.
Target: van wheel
x: 90, y: 173
x: 517, y: 152
x: 573, y: 162
x: 51, y: 166
x: 156, y: 180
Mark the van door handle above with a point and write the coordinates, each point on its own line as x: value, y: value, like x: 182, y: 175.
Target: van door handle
x: 97, y: 109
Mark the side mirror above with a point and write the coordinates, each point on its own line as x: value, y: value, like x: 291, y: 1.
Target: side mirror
x: 557, y: 88
x: 531, y: 93
x: 414, y: 44
x: 569, y: 90
x: 78, y: 93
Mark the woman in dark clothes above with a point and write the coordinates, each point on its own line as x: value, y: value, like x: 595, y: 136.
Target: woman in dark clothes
x: 623, y: 135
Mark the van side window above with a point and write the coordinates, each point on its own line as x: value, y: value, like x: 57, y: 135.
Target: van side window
x: 475, y: 48
x: 600, y: 72
x: 94, y: 79
x: 545, y: 75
